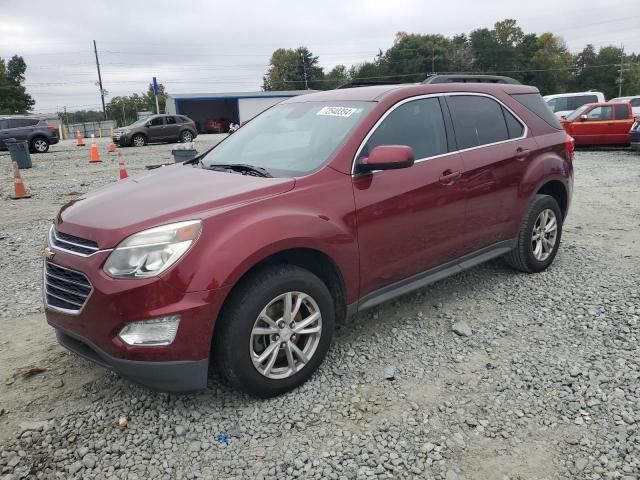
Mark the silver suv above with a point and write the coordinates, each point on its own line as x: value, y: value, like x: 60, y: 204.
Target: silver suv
x: 156, y: 128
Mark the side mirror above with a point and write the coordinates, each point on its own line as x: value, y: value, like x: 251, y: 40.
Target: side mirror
x: 583, y: 118
x: 387, y: 157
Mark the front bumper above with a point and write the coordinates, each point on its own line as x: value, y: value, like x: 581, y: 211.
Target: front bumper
x: 92, y: 332
x: 170, y: 376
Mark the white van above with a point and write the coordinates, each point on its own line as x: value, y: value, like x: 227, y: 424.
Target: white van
x: 562, y: 104
x: 634, y: 101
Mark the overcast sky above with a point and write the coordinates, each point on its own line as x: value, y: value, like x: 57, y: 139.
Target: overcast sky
x: 206, y: 46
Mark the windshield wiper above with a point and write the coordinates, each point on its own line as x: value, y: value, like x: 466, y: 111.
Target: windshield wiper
x: 243, y: 168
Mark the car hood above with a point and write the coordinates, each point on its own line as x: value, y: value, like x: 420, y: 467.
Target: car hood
x: 165, y: 195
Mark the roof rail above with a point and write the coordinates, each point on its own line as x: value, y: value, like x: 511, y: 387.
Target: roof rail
x: 464, y: 78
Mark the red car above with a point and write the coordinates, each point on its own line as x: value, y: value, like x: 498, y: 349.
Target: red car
x: 220, y: 125
x: 600, y: 124
x: 322, y: 206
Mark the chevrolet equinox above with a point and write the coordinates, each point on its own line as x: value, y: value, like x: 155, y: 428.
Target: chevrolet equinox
x: 322, y: 206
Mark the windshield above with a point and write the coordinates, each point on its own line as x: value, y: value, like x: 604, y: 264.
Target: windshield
x: 576, y: 113
x: 290, y: 139
x: 141, y: 121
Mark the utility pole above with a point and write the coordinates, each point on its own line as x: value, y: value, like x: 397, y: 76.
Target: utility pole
x: 95, y: 50
x: 620, y: 79
x: 304, y: 71
x: 433, y: 59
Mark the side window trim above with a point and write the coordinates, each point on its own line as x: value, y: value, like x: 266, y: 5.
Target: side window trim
x: 525, y: 132
x: 452, y: 144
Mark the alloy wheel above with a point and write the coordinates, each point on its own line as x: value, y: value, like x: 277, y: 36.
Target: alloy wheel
x: 545, y: 233
x: 40, y: 145
x: 285, y: 336
x: 138, y: 141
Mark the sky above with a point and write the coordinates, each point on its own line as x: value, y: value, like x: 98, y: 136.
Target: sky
x: 214, y: 46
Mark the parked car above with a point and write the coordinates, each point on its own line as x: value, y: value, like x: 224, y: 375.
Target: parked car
x: 634, y: 101
x: 156, y: 128
x: 221, y: 125
x: 600, y: 124
x: 320, y: 207
x: 562, y: 104
x: 36, y: 131
x: 634, y: 135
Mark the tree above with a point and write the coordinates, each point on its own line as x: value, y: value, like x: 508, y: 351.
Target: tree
x: 288, y: 68
x: 338, y: 76
x: 550, y: 64
x: 150, y: 98
x: 13, y: 95
x: 125, y: 109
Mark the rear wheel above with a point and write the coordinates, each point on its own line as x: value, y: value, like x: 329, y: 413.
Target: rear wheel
x: 539, y: 237
x: 186, y: 136
x: 274, y: 331
x: 138, y: 140
x: 39, y: 145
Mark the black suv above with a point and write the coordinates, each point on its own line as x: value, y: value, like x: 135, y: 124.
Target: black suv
x: 35, y: 130
x: 156, y: 128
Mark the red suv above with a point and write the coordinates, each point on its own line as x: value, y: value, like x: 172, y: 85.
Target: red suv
x: 322, y: 206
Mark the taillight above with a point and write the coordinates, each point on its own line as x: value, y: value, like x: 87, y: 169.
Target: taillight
x: 193, y: 125
x: 569, y: 143
x: 51, y: 127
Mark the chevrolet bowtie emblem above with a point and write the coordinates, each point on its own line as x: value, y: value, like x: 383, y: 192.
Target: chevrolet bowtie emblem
x: 48, y: 253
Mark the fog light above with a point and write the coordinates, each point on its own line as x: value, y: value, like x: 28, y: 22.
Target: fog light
x: 156, y: 332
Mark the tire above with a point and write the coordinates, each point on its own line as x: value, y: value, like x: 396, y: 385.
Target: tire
x: 186, y: 136
x: 236, y: 344
x: 533, y: 255
x: 138, y: 140
x: 39, y: 145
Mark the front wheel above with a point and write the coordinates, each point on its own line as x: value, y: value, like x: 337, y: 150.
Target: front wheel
x: 274, y: 330
x: 138, y: 140
x: 539, y: 238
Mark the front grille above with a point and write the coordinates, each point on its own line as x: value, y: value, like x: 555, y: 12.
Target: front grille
x: 117, y: 135
x: 65, y: 289
x: 71, y: 244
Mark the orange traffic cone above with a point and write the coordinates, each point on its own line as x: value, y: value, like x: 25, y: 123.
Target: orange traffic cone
x: 95, y: 155
x: 18, y: 186
x: 112, y: 147
x: 123, y: 170
x: 79, y: 139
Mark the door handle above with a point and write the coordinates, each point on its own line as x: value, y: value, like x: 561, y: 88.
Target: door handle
x: 448, y: 177
x: 521, y: 153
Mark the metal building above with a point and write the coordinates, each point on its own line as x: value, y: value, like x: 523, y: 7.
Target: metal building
x: 236, y: 107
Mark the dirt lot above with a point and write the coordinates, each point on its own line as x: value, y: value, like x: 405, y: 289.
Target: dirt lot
x: 547, y: 385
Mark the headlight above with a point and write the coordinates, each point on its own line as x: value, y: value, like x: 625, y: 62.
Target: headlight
x: 126, y: 131
x: 151, y: 252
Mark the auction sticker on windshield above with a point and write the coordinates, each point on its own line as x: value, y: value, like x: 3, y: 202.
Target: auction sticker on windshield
x: 337, y: 111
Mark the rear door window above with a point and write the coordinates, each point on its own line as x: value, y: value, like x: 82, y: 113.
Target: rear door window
x: 4, y: 124
x: 418, y: 124
x: 170, y: 120
x: 622, y: 112
x: 477, y: 120
x: 635, y: 102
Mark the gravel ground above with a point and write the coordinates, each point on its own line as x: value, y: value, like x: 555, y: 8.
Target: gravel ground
x: 496, y: 374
